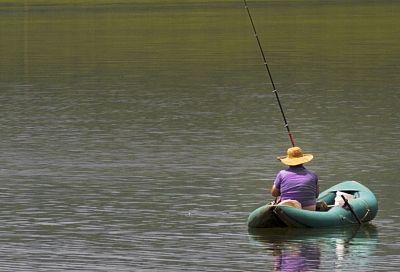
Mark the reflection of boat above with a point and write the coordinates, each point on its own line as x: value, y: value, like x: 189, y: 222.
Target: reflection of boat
x: 345, y: 233
x: 363, y: 204
x: 338, y: 248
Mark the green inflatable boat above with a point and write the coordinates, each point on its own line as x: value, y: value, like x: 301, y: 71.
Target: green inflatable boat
x: 359, y: 206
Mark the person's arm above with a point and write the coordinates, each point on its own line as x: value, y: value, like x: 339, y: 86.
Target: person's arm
x: 275, y: 191
x: 317, y: 183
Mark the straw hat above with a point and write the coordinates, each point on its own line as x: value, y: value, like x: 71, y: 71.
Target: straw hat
x: 295, y: 156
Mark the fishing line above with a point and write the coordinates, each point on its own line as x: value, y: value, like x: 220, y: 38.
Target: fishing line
x: 275, y: 91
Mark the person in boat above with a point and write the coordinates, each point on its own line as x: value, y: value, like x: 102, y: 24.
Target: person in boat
x: 296, y: 182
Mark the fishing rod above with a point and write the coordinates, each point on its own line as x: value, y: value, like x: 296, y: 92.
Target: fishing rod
x: 275, y: 91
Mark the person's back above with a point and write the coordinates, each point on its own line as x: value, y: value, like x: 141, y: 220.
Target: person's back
x: 297, y: 182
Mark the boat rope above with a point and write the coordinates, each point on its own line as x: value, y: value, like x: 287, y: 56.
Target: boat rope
x: 348, y: 220
x: 367, y: 208
x: 365, y: 215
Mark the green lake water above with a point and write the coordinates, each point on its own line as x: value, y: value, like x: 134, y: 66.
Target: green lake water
x: 139, y: 135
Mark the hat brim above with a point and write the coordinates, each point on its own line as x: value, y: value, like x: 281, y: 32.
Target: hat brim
x: 296, y: 161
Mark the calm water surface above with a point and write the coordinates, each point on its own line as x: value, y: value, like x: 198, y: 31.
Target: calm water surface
x: 138, y: 137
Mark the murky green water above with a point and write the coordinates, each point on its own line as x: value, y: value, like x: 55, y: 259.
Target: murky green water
x: 138, y: 136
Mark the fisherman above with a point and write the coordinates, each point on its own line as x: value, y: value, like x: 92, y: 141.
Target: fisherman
x: 296, y: 184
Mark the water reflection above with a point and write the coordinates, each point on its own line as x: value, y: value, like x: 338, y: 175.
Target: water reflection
x: 297, y: 257
x: 312, y: 249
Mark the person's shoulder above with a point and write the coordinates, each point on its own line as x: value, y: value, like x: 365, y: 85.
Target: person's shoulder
x: 312, y: 172
x: 308, y: 169
x: 283, y: 173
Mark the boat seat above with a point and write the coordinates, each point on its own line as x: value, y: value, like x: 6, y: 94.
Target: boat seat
x: 291, y: 203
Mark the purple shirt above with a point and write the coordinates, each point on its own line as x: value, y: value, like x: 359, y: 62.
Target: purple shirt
x: 297, y: 183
